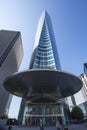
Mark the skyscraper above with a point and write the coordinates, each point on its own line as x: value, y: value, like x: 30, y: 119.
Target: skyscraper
x: 45, y: 45
x: 44, y: 85
x: 11, y: 53
x: 45, y: 56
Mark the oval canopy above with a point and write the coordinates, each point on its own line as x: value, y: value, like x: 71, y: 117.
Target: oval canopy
x: 43, y: 82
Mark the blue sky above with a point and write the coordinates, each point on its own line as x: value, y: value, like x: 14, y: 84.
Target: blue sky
x: 69, y: 19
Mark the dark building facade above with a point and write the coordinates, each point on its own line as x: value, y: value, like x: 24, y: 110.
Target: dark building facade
x: 85, y: 68
x: 11, y: 53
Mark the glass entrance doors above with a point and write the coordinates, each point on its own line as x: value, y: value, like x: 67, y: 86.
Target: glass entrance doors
x: 49, y: 120
x: 47, y: 113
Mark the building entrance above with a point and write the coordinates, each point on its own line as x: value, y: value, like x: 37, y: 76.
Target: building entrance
x: 48, y: 114
x: 47, y: 120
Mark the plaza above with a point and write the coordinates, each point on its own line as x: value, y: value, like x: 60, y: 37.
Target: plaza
x: 70, y: 127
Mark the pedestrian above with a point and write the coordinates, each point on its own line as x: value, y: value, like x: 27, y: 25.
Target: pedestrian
x: 58, y: 125
x: 41, y: 126
x: 9, y: 127
x: 65, y: 127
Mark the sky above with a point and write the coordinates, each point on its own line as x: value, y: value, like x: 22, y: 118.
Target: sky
x: 69, y: 20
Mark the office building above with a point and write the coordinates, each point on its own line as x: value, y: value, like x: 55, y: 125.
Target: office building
x: 85, y: 68
x: 11, y: 53
x: 44, y: 85
x: 83, y: 103
x: 83, y: 77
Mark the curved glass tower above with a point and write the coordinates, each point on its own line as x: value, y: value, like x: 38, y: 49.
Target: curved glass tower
x: 47, y: 108
x: 45, y: 49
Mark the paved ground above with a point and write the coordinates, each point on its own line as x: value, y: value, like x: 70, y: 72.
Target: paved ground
x: 78, y: 127
x: 71, y: 127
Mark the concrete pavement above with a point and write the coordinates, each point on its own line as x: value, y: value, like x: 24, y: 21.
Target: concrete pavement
x: 71, y: 127
x: 77, y: 127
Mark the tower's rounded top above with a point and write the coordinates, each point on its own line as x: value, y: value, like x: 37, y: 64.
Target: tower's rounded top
x: 44, y: 13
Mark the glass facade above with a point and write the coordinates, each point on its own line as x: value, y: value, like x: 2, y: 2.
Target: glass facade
x: 48, y: 113
x: 44, y: 57
x: 45, y: 53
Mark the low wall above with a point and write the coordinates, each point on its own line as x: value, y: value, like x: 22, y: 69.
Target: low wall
x: 3, y: 122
